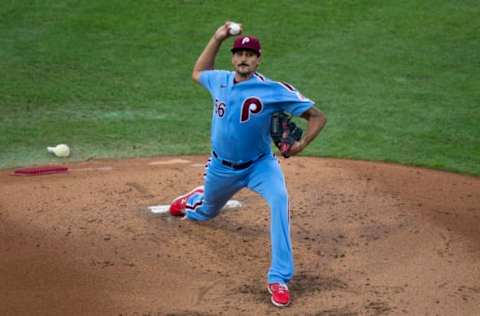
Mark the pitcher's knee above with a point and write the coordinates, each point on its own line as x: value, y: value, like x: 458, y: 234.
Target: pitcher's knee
x: 200, y: 215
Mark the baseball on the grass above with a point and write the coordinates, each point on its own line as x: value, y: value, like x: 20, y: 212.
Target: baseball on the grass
x: 60, y: 150
x: 234, y: 28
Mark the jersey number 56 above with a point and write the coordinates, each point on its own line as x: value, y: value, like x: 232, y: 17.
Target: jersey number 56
x: 219, y: 108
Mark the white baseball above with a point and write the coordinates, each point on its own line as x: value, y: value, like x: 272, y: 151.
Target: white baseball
x: 234, y: 28
x: 61, y: 150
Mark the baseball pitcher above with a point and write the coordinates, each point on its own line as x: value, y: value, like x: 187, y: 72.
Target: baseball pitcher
x: 243, y: 105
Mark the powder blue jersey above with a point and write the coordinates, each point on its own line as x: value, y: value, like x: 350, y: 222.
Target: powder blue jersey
x: 242, y: 112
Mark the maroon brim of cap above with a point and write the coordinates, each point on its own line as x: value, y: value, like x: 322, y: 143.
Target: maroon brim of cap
x: 233, y: 50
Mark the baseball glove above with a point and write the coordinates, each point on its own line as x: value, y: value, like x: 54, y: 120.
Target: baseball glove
x: 284, y: 132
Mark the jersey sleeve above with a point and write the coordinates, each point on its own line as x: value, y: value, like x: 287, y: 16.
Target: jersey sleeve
x: 291, y: 100
x: 211, y: 78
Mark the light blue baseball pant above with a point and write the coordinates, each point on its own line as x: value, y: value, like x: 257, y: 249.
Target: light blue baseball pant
x: 266, y: 178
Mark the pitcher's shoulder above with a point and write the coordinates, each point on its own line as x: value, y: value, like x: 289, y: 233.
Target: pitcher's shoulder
x: 265, y: 81
x: 274, y: 83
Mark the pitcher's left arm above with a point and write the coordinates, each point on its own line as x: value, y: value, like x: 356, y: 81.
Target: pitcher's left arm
x: 316, y: 121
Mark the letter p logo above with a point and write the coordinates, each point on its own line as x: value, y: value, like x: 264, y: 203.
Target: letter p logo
x: 246, y: 40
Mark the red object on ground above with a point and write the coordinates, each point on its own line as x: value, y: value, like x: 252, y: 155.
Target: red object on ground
x: 38, y: 171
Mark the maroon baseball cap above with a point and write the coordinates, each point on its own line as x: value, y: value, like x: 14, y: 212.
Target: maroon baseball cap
x: 247, y: 42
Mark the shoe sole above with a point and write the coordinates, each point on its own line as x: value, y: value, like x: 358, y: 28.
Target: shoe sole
x: 273, y: 301
x: 278, y: 304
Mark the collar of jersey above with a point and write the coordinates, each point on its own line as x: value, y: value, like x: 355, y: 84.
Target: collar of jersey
x: 252, y: 78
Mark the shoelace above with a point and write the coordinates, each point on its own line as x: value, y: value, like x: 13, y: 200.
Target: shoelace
x: 281, y: 288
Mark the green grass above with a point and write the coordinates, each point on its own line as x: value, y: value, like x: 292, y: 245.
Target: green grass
x: 398, y: 80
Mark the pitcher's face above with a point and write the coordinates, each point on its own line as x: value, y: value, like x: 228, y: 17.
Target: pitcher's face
x: 245, y: 62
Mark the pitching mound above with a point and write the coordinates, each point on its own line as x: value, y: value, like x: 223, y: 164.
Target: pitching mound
x: 369, y: 239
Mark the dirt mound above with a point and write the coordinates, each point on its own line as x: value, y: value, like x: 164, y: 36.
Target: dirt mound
x: 369, y: 239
